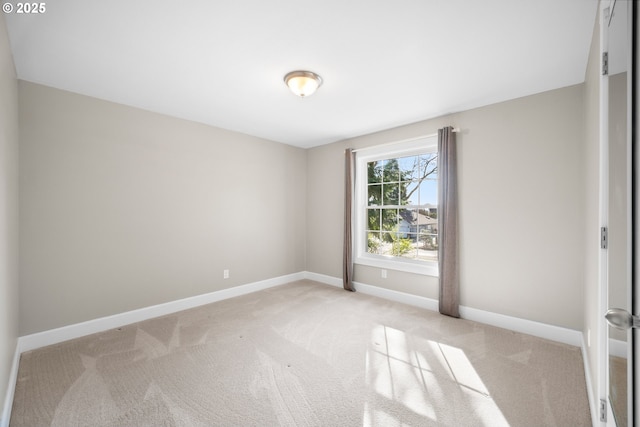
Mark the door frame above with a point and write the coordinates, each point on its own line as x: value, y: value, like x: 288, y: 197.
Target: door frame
x: 633, y: 116
x: 634, y: 382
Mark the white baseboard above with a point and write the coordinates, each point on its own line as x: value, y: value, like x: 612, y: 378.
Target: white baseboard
x: 5, y: 417
x: 530, y: 327
x: 54, y: 336
x: 404, y: 298
x: 323, y: 278
x: 409, y: 299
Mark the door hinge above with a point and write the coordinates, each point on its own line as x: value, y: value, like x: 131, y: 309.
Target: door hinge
x: 603, y: 410
x: 604, y: 238
x: 605, y: 63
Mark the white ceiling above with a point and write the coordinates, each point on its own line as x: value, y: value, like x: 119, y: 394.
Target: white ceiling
x: 384, y: 63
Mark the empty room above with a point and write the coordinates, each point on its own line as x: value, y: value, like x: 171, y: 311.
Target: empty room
x: 293, y: 213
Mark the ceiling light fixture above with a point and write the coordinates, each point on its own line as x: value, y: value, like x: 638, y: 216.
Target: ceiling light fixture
x: 303, y: 83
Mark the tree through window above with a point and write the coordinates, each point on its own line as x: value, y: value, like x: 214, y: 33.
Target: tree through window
x: 396, y: 206
x: 402, y: 214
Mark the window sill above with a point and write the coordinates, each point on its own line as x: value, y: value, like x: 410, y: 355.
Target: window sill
x: 408, y: 266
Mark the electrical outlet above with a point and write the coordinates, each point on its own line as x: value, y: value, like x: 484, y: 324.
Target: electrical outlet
x: 383, y: 273
x: 225, y: 274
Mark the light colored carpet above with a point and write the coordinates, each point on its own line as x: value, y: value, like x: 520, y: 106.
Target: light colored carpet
x: 303, y: 354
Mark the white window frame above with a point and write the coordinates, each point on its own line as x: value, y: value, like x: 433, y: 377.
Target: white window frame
x: 411, y: 147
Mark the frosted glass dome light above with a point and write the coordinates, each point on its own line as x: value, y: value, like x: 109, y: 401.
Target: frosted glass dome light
x: 303, y: 83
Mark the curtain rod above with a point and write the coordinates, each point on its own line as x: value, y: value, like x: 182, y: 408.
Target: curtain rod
x: 431, y: 135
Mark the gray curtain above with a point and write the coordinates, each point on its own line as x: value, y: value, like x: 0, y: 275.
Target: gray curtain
x: 448, y: 223
x: 347, y: 268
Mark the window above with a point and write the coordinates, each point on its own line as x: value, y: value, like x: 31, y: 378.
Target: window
x: 396, y: 221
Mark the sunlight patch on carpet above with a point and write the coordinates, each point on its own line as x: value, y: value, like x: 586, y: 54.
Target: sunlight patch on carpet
x: 420, y: 380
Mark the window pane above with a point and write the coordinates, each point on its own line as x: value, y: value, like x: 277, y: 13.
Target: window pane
x: 373, y: 220
x: 374, y: 195
x: 374, y: 171
x: 407, y: 221
x: 373, y: 243
x: 390, y: 193
x: 408, y: 167
x: 427, y: 166
x: 410, y: 193
x: 428, y: 192
x: 426, y: 221
x: 398, y: 244
x: 391, y: 171
x: 428, y: 238
x: 428, y: 244
x: 406, y: 246
x: 389, y: 219
x: 385, y: 244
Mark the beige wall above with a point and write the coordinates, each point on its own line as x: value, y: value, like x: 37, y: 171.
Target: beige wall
x: 592, y: 205
x: 8, y: 210
x: 122, y: 208
x: 521, y: 208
